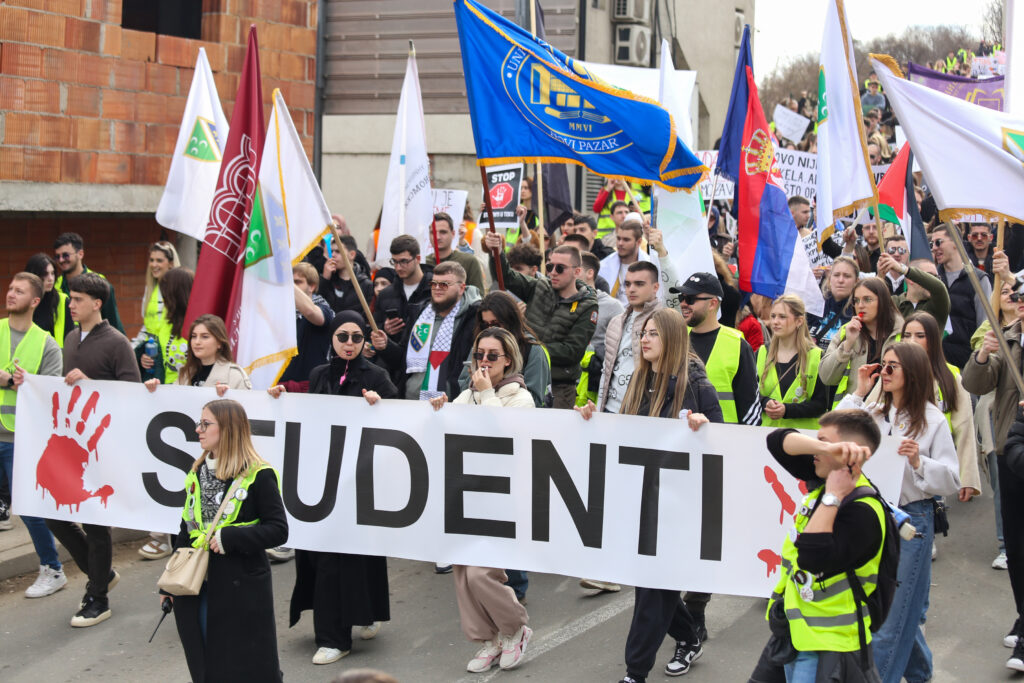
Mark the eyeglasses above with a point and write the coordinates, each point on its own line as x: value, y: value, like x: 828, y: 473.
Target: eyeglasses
x: 1016, y: 297
x: 691, y: 299
x: 64, y: 257
x: 443, y: 286
x: 893, y: 251
x: 485, y: 325
x: 491, y: 356
x: 980, y: 235
x: 401, y: 261
x: 559, y: 268
x: 937, y: 243
x: 864, y: 300
x: 649, y: 334
x: 343, y: 337
x: 889, y: 367
x: 203, y: 425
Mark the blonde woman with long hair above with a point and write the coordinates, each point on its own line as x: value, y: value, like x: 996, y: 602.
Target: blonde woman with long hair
x: 791, y: 395
x: 228, y: 631
x: 162, y: 257
x: 669, y: 381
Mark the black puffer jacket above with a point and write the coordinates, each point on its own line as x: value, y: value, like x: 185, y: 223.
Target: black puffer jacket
x: 700, y: 397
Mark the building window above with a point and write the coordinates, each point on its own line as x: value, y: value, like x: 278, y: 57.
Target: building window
x: 182, y: 18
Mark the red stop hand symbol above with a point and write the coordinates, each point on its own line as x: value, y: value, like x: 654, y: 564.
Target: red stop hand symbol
x: 61, y: 468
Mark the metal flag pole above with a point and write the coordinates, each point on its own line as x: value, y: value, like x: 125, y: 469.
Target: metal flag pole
x: 993, y: 319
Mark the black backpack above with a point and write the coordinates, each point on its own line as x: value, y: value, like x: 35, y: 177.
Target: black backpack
x: 879, y: 602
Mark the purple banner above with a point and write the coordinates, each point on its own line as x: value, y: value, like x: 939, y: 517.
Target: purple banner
x: 987, y: 92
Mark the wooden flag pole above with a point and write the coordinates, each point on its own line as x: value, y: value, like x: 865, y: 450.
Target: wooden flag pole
x: 998, y: 285
x: 352, y: 277
x: 539, y: 199
x: 993, y: 319
x: 433, y: 237
x: 496, y: 252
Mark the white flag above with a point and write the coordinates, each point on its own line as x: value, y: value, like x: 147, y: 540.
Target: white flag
x: 845, y: 181
x: 408, y: 202
x: 973, y: 157
x: 288, y: 202
x: 192, y: 179
x: 680, y: 215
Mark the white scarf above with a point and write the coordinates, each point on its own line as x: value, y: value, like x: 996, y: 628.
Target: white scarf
x: 422, y: 356
x: 611, y: 266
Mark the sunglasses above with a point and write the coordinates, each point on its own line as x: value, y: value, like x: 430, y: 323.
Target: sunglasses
x: 691, y: 299
x: 889, y: 367
x: 980, y: 235
x: 937, y: 243
x: 63, y: 257
x: 343, y: 337
x: 203, y: 425
x: 893, y: 251
x: 1016, y: 297
x: 491, y: 356
x: 559, y: 268
x: 443, y: 286
x: 401, y: 261
x: 484, y: 325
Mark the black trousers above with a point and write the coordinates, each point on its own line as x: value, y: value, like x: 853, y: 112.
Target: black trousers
x: 656, y: 612
x: 1011, y: 493
x: 91, y: 549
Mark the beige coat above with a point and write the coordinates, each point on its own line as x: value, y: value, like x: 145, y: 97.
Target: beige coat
x: 511, y: 395
x: 838, y: 362
x: 981, y: 378
x: 613, y: 337
x: 224, y: 372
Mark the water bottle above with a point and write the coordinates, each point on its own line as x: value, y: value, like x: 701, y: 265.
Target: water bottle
x: 151, y: 349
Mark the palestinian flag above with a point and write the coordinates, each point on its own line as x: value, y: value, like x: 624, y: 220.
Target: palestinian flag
x: 898, y: 205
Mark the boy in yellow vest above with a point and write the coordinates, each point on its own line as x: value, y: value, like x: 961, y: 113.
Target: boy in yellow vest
x: 812, y: 612
x: 26, y: 348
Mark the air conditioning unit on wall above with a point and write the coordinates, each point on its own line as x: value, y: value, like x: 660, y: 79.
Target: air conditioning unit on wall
x: 631, y: 11
x: 632, y: 45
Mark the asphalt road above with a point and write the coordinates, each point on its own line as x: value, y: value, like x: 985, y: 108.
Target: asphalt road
x: 578, y: 636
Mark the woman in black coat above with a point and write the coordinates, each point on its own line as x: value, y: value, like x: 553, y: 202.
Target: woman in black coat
x: 228, y: 631
x: 343, y: 590
x: 669, y: 381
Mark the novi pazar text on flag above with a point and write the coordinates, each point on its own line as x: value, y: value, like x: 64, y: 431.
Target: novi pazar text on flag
x: 529, y: 102
x: 845, y: 181
x: 218, y: 283
x: 192, y: 178
x: 408, y: 202
x: 288, y: 203
x: 972, y: 157
x: 772, y: 260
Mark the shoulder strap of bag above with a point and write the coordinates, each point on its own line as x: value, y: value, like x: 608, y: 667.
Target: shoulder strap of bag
x: 228, y: 495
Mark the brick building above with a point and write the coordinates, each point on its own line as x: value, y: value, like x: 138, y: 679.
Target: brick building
x: 91, y: 98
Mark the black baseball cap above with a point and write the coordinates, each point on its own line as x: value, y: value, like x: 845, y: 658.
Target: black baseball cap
x: 700, y: 283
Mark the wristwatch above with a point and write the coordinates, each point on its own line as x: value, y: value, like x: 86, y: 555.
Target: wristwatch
x: 830, y: 499
x: 10, y: 381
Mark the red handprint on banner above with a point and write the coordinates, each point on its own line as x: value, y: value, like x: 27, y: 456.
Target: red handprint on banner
x: 788, y: 505
x: 771, y: 559
x: 61, y: 468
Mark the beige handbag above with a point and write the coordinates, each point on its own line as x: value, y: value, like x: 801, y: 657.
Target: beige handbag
x: 186, y: 570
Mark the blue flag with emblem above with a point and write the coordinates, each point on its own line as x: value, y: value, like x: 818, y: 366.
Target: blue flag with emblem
x: 529, y: 102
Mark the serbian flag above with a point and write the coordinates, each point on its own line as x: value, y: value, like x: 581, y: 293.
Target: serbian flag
x: 772, y: 259
x: 897, y: 203
x: 218, y: 285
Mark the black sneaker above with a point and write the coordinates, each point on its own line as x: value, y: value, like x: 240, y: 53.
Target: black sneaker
x: 1010, y: 639
x: 94, y: 612
x: 686, y: 654
x: 1016, y: 660
x: 702, y: 631
x: 5, y: 517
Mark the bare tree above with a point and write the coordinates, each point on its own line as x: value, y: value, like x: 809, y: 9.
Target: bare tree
x: 992, y: 22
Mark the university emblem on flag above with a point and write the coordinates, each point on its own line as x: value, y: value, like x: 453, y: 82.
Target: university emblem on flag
x: 546, y: 99
x: 1013, y: 142
x: 420, y: 336
x: 203, y: 144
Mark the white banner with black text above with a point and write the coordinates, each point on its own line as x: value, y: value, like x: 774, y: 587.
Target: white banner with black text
x: 636, y: 500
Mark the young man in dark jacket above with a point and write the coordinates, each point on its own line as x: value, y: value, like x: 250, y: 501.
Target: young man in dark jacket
x: 94, y: 350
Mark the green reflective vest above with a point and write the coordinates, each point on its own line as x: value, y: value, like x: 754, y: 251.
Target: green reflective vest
x: 942, y: 402
x: 722, y: 366
x: 192, y: 513
x: 60, y: 318
x: 583, y: 393
x: 825, y: 617
x: 796, y: 393
x: 605, y: 223
x: 154, y: 319
x: 29, y: 355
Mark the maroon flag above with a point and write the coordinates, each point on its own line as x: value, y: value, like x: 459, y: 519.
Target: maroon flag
x: 218, y: 284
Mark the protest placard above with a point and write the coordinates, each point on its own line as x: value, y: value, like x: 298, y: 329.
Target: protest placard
x: 451, y: 202
x: 789, y: 124
x: 505, y: 182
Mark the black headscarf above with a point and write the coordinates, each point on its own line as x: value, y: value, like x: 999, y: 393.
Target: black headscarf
x: 340, y: 366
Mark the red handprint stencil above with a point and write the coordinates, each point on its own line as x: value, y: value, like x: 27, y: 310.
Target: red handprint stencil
x: 771, y: 559
x: 62, y: 465
x: 788, y: 505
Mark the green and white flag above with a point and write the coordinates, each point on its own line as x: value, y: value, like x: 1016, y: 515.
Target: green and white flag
x: 289, y: 215
x: 192, y: 178
x: 845, y: 181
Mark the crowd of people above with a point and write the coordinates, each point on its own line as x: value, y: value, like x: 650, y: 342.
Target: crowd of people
x: 594, y: 318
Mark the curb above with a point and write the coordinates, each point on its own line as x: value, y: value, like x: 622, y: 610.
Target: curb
x: 22, y: 559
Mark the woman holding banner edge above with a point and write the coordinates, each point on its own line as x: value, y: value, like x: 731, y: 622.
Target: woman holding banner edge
x: 488, y: 609
x: 669, y: 381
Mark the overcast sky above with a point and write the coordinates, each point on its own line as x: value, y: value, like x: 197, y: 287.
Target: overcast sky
x: 790, y: 28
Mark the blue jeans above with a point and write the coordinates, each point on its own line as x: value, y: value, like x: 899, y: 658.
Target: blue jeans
x: 899, y: 646
x: 42, y: 539
x: 518, y: 581
x: 803, y: 669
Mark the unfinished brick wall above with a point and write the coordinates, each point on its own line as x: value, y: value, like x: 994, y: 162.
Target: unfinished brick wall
x: 83, y: 100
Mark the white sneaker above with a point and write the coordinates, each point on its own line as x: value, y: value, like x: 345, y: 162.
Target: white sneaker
x: 48, y: 582
x: 280, y: 554
x: 1000, y: 561
x: 935, y: 551
x: 513, y: 647
x: 329, y: 655
x: 594, y: 584
x: 485, y: 658
x: 369, y: 632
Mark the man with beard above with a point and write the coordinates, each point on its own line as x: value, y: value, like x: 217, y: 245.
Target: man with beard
x: 68, y: 252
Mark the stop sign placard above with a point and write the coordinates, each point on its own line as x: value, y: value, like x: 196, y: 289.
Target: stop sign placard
x: 501, y: 196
